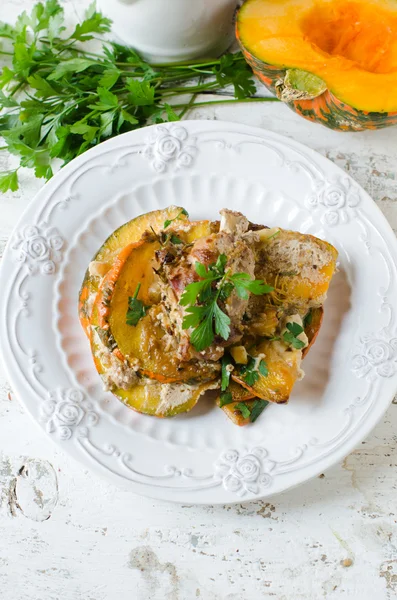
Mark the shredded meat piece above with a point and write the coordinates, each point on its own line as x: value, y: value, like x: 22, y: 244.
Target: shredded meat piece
x: 233, y: 222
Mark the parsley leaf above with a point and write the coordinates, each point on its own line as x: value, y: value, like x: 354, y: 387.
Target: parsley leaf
x: 243, y: 408
x: 262, y: 368
x: 208, y: 295
x: 225, y: 398
x: 174, y: 239
x: 136, y: 308
x: 236, y: 73
x: 8, y: 181
x: 251, y: 371
x: 94, y: 23
x: 194, y: 316
x: 225, y: 373
x: 192, y: 290
x: 74, y: 65
x: 222, y: 322
x: 257, y: 408
x: 220, y: 264
x: 201, y: 270
x: 203, y: 335
x: 244, y: 284
x: 291, y: 336
x: 168, y: 222
x: 141, y: 92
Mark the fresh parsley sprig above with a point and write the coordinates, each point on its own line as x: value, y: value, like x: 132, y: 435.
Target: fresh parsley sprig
x: 61, y: 99
x: 291, y: 336
x: 204, y: 315
x: 136, y: 308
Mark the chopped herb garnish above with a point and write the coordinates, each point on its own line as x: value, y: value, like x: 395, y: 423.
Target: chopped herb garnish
x: 251, y: 372
x: 204, y: 315
x: 168, y: 222
x: 291, y: 336
x: 243, y: 408
x: 136, y: 308
x: 273, y: 235
x: 257, y: 408
x: 225, y: 398
x: 225, y: 377
x: 174, y: 239
x: 262, y: 368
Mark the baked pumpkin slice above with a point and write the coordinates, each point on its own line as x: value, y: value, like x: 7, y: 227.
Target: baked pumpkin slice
x: 299, y: 267
x: 147, y: 341
x: 139, y: 393
x: 247, y: 397
x: 231, y: 403
x: 332, y: 61
x: 275, y: 364
x: 103, y: 260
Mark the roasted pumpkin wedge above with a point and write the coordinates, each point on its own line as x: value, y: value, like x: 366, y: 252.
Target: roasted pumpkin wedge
x: 299, y: 267
x: 245, y: 411
x: 283, y: 365
x: 126, y: 234
x: 239, y: 394
x: 148, y: 342
x: 163, y: 400
x: 332, y: 61
x: 147, y: 396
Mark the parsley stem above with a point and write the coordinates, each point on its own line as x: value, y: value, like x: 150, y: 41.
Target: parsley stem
x: 17, y: 87
x: 188, y: 106
x: 266, y: 99
x: 138, y: 287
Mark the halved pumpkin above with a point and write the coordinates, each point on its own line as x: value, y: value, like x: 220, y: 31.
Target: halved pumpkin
x: 126, y: 234
x: 332, y: 61
x: 146, y: 342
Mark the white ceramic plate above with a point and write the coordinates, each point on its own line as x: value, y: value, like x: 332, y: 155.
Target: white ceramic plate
x: 201, y: 457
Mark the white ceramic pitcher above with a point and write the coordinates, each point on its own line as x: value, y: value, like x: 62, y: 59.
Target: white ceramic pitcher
x: 173, y: 30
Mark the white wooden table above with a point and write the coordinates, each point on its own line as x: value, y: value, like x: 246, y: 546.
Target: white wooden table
x: 67, y: 535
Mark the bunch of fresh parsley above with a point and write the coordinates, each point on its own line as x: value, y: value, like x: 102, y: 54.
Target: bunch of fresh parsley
x: 204, y: 315
x: 60, y: 98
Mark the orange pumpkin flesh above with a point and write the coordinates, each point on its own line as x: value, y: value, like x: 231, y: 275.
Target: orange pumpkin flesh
x: 351, y: 46
x: 126, y: 234
x: 146, y: 341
